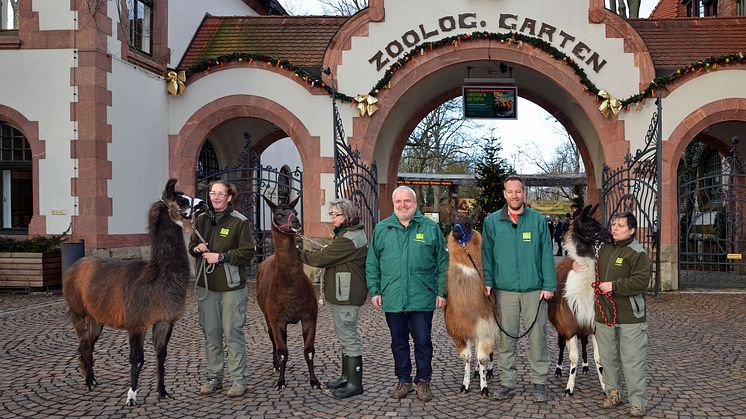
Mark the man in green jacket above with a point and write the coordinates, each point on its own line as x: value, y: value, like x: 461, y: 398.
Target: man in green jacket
x: 622, y: 336
x: 405, y: 272
x: 343, y: 260
x: 518, y: 264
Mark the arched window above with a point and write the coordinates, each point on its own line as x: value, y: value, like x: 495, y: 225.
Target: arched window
x: 208, y: 160
x: 283, y: 185
x: 16, y: 187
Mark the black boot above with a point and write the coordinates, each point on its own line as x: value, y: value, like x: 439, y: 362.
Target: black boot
x: 342, y: 380
x: 354, y: 384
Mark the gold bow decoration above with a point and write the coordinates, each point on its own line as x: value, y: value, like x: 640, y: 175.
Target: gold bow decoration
x: 175, y: 82
x: 366, y: 104
x: 609, y: 105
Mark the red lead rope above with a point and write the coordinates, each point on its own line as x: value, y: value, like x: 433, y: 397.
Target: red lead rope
x: 597, y: 291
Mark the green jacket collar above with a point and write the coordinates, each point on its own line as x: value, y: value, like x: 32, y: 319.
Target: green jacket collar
x: 624, y: 242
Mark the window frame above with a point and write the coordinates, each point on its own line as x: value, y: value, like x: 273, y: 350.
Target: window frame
x: 136, y: 35
x: 10, y: 163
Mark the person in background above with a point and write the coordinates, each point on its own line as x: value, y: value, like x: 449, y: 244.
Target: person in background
x: 221, y: 292
x: 518, y: 264
x: 559, y: 232
x: 343, y: 260
x: 405, y: 271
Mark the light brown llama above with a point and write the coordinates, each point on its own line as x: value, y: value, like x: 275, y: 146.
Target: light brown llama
x: 470, y: 316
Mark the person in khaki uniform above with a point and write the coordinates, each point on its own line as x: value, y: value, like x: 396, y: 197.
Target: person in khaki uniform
x: 343, y: 260
x: 624, y: 269
x: 221, y: 290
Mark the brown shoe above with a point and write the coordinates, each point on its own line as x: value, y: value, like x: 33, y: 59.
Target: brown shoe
x: 612, y: 400
x: 401, y: 390
x: 637, y: 411
x: 423, y: 391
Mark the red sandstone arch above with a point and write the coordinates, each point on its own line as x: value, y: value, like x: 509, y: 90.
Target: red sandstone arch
x: 610, y: 133
x: 185, y: 146
x: 30, y: 130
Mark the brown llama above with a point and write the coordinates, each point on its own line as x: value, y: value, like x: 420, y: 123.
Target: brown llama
x: 470, y: 316
x: 285, y: 293
x: 573, y: 314
x: 134, y: 295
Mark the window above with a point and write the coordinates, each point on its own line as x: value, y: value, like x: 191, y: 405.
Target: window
x: 16, y: 188
x: 141, y: 25
x: 8, y: 14
x: 208, y: 161
x: 711, y: 7
x: 739, y: 8
x: 694, y: 8
x: 283, y: 185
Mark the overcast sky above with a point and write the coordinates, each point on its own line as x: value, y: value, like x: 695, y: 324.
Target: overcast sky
x: 535, y: 129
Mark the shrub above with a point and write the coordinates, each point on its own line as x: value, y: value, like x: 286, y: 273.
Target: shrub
x: 39, y: 244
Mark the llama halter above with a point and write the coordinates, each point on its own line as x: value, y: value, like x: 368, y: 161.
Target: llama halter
x: 464, y: 237
x: 287, y: 227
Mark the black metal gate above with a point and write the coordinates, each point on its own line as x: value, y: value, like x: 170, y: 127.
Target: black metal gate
x: 635, y: 187
x: 252, y: 181
x: 353, y: 179
x: 712, y: 205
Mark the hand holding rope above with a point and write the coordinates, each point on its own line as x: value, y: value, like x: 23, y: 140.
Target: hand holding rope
x: 597, y: 293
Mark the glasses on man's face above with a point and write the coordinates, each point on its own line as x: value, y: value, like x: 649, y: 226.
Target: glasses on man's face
x: 213, y: 193
x: 334, y: 215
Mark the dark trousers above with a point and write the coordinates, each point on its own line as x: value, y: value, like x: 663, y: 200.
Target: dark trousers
x: 418, y: 324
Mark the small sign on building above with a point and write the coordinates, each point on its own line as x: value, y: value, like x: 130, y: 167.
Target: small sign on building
x: 490, y: 102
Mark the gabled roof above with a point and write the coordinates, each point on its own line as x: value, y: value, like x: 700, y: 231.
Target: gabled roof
x: 302, y: 40
x: 677, y: 42
x: 668, y: 9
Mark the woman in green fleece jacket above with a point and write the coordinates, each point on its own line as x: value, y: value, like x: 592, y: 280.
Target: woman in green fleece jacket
x: 343, y: 260
x: 624, y: 271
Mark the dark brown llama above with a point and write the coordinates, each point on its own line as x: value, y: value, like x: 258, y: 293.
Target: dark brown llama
x: 134, y: 295
x: 470, y: 316
x: 573, y: 314
x: 285, y: 293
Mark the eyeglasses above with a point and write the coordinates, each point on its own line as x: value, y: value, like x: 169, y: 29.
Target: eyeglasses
x: 333, y: 215
x: 218, y: 193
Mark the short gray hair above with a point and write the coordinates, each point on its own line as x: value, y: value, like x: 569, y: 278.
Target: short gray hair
x: 347, y: 208
x: 406, y: 188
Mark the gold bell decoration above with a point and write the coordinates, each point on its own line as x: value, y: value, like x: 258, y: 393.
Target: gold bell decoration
x: 610, y: 104
x: 175, y: 82
x: 366, y: 104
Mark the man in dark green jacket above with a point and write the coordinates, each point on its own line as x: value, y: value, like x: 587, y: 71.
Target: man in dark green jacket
x: 343, y: 260
x: 405, y: 272
x: 518, y: 264
x: 624, y: 271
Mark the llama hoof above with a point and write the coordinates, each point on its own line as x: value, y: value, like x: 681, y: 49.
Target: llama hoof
x: 490, y: 374
x: 485, y: 392
x: 463, y: 389
x: 558, y: 372
x: 164, y: 395
x: 568, y: 393
x: 475, y: 374
x: 315, y: 384
x: 281, y: 385
x: 585, y: 370
x: 131, y: 397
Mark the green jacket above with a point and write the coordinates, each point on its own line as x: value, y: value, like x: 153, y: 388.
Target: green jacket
x: 343, y: 260
x: 626, y: 265
x: 518, y: 258
x: 231, y: 236
x: 407, y: 266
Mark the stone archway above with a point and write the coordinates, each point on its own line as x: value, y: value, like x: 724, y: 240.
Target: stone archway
x: 185, y: 146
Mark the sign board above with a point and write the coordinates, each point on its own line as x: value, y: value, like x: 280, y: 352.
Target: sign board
x: 734, y: 256
x: 490, y: 102
x: 435, y: 216
x: 401, y: 181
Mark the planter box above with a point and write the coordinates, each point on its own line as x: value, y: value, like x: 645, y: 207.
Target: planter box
x: 30, y: 270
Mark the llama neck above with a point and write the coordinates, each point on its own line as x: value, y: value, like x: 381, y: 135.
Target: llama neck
x: 285, y: 250
x: 168, y: 252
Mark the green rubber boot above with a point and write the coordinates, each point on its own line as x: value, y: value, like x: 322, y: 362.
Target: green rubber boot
x: 342, y: 380
x: 354, y: 386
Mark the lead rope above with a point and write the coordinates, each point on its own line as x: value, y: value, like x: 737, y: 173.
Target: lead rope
x: 597, y: 291
x: 202, y: 270
x: 321, y: 271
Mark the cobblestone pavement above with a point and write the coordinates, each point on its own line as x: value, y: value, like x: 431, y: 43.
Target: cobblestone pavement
x: 696, y: 368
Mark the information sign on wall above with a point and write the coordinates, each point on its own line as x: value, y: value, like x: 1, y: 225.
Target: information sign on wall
x: 490, y: 102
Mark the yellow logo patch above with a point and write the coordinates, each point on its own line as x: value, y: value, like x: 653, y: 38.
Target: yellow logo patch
x: 224, y: 232
x: 419, y: 237
x: 619, y: 261
x: 526, y: 236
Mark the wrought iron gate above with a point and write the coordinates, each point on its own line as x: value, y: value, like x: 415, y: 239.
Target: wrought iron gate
x: 353, y: 179
x: 635, y: 187
x: 252, y: 181
x: 712, y: 207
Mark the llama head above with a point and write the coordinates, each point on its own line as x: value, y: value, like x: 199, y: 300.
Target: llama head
x: 284, y: 216
x: 462, y: 224
x: 585, y: 233
x: 181, y: 205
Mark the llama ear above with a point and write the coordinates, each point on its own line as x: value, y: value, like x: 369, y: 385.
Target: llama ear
x: 170, y: 188
x: 294, y: 202
x: 271, y: 204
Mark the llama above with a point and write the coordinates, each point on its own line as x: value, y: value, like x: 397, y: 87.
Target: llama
x: 470, y: 316
x: 134, y: 295
x: 285, y: 293
x: 573, y: 314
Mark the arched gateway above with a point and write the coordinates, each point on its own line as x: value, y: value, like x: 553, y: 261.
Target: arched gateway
x: 396, y: 61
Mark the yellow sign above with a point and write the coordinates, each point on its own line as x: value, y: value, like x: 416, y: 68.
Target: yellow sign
x: 419, y: 237
x: 527, y: 236
x: 619, y: 261
x: 224, y: 232
x: 58, y: 212
x: 549, y: 207
x: 734, y: 256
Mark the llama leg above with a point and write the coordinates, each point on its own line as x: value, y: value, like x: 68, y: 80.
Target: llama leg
x: 597, y: 359
x: 464, y: 351
x: 573, y: 356
x: 584, y: 348
x: 483, y: 356
x: 491, y: 366
x: 88, y: 331
x: 309, y: 337
x: 560, y: 359
x: 275, y: 360
x: 161, y: 336
x: 280, y: 334
x: 137, y: 357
